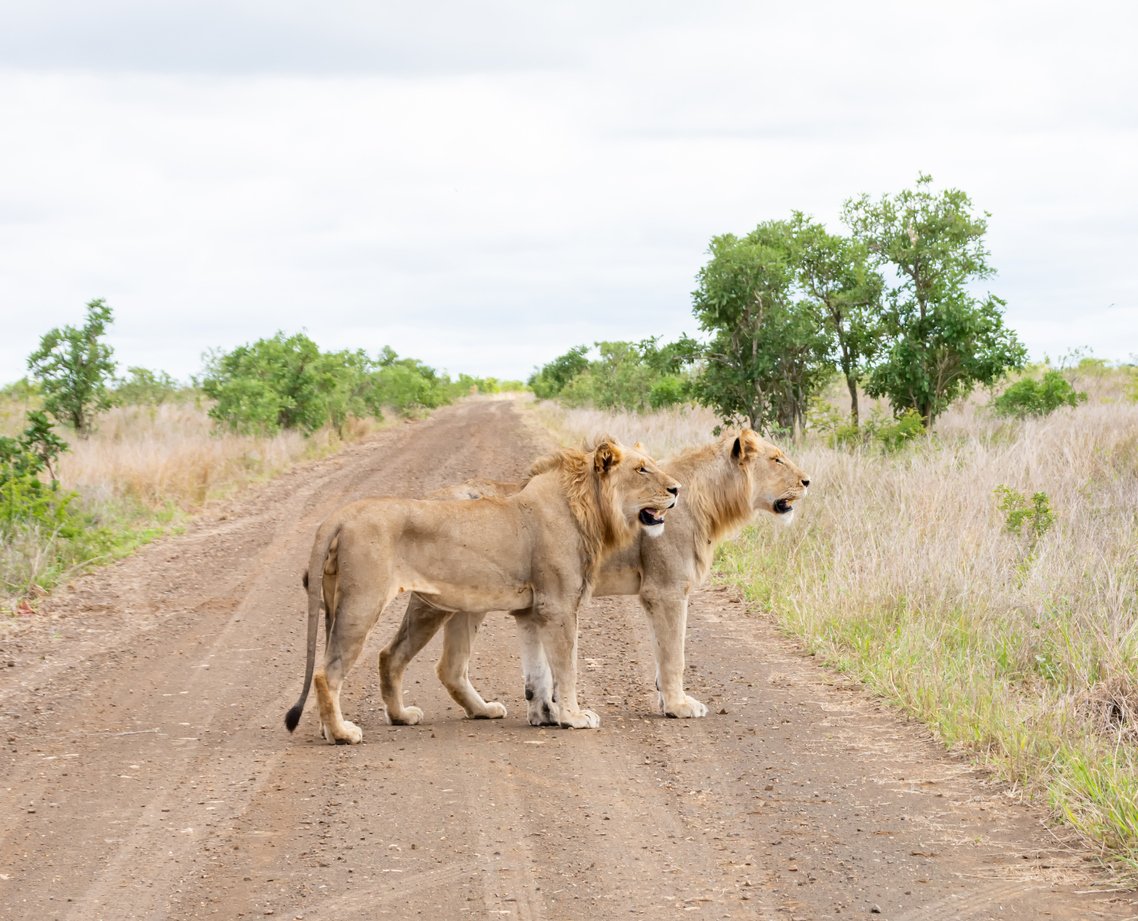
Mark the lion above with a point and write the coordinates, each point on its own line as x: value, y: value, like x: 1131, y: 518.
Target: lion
x: 535, y: 550
x: 725, y: 484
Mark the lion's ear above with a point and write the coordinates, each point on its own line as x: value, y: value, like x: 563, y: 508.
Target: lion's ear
x: 746, y: 445
x: 606, y: 456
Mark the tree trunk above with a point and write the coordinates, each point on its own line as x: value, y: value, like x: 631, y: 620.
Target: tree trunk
x: 851, y: 382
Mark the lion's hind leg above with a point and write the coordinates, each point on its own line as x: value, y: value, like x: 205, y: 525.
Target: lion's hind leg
x: 420, y: 622
x: 453, y: 667
x: 355, y: 614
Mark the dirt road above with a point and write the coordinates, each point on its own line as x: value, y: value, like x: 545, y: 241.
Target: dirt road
x: 147, y: 774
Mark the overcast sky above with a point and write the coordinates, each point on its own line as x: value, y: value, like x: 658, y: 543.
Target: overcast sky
x: 482, y: 185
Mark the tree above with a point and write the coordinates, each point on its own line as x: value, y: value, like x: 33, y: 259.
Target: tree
x: 939, y: 339
x: 550, y: 379
x: 834, y: 271
x: 74, y: 368
x: 767, y: 352
x: 269, y: 385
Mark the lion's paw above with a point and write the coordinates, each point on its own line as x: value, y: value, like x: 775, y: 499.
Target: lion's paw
x: 689, y: 708
x: 351, y: 734
x: 543, y: 713
x: 492, y: 711
x: 410, y: 716
x: 581, y: 719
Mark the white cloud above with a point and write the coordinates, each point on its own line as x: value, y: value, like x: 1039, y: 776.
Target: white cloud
x: 483, y: 186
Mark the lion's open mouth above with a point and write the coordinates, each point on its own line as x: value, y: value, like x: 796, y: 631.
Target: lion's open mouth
x: 782, y: 506
x: 652, y: 516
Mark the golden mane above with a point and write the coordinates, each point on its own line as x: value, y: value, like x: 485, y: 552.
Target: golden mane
x: 590, y: 497
x: 719, y: 496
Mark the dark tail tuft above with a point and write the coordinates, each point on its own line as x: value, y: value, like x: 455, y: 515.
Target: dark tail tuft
x: 292, y: 718
x: 304, y: 579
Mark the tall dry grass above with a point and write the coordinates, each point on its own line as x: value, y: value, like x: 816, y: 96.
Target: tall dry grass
x: 1019, y: 645
x: 172, y: 455
x: 144, y: 469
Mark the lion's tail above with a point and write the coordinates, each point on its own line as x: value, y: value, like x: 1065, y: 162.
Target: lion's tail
x: 323, y: 547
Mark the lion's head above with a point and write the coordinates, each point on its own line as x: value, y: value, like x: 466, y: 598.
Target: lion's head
x: 777, y: 483
x: 636, y: 483
x: 614, y: 490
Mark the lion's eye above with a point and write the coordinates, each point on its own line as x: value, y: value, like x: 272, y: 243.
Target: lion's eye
x: 643, y: 470
x: 779, y: 460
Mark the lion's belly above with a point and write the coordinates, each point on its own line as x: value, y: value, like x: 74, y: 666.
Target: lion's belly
x: 478, y: 598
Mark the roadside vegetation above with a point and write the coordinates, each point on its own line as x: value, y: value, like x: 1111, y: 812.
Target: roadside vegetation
x: 984, y: 579
x: 92, y: 464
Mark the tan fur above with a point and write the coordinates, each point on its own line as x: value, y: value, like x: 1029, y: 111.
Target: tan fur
x: 725, y: 484
x: 534, y: 550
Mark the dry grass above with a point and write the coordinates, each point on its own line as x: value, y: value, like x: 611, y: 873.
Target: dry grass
x: 171, y: 455
x: 143, y: 469
x: 902, y: 570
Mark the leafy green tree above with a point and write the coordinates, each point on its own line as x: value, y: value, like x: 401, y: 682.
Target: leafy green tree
x: 74, y: 368
x: 409, y: 386
x: 550, y: 379
x: 271, y: 384
x: 835, y: 272
x: 767, y: 354
x: 940, y: 340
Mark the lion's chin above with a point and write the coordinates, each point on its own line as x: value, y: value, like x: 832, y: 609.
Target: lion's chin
x: 653, y: 530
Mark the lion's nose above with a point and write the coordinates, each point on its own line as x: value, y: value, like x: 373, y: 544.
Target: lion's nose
x: 674, y: 490
x: 805, y: 481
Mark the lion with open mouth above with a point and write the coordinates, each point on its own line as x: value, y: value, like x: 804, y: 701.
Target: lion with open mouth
x: 726, y: 483
x: 537, y: 550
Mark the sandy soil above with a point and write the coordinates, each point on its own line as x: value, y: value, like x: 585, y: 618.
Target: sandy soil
x: 147, y: 773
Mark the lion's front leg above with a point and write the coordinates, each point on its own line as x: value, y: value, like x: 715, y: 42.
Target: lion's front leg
x: 667, y: 620
x: 540, y: 705
x: 558, y: 633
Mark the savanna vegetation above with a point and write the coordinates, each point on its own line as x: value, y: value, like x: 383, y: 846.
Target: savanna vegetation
x: 92, y: 464
x: 969, y: 550
x: 983, y: 578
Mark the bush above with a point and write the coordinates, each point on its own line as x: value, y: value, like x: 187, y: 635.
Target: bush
x: 143, y: 387
x: 25, y: 498
x: 631, y: 376
x: 1029, y: 397
x: 670, y: 390
x: 288, y: 383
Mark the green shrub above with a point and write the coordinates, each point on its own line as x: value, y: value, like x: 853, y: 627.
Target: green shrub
x: 669, y: 390
x: 143, y: 387
x: 25, y: 497
x: 1030, y: 519
x: 1030, y: 397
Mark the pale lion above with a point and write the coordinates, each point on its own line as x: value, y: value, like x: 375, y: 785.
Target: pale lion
x: 535, y: 550
x: 725, y: 484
